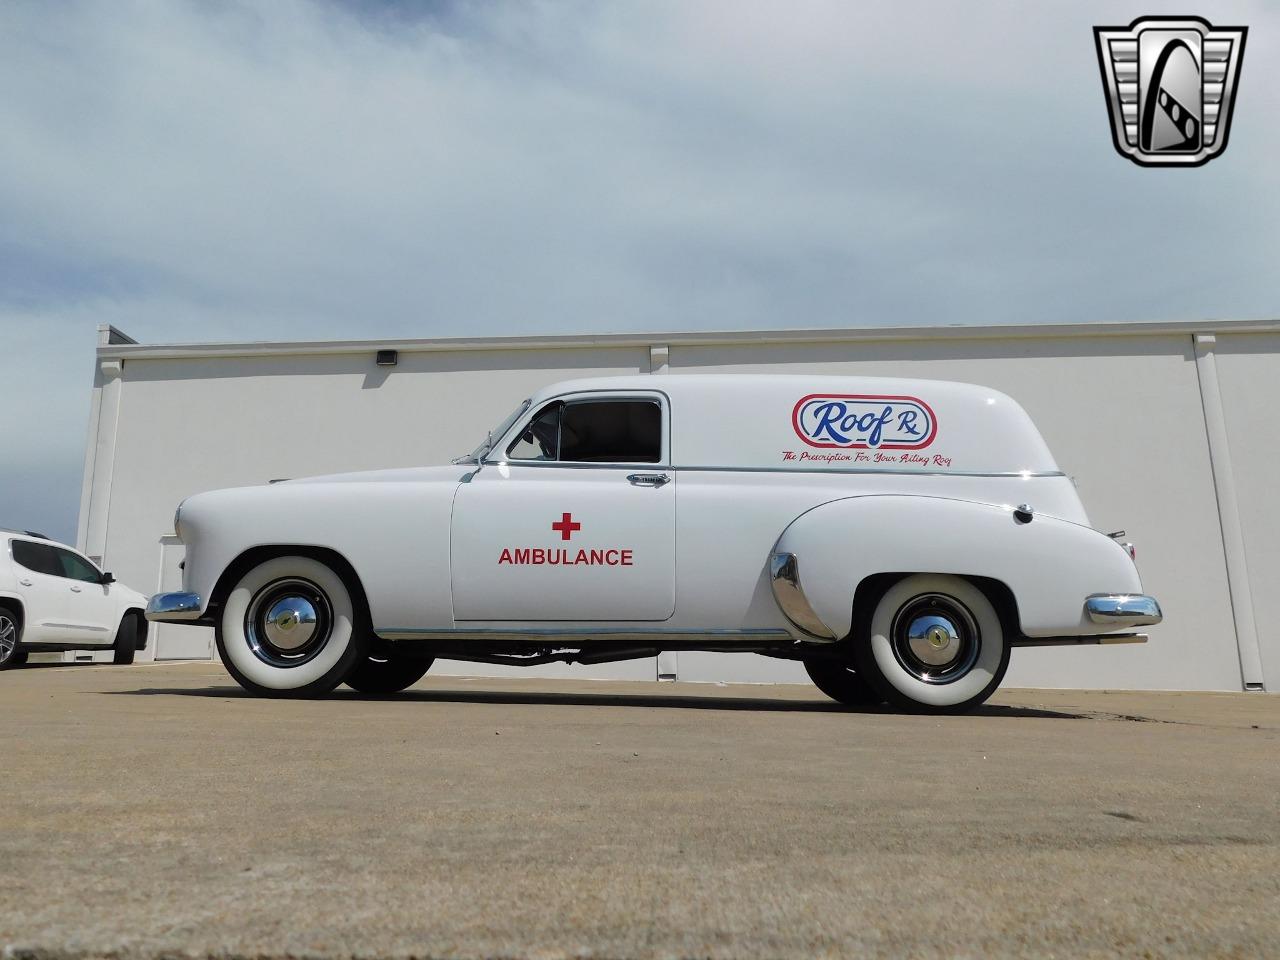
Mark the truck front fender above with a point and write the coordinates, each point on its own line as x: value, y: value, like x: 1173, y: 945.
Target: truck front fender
x: 1050, y: 566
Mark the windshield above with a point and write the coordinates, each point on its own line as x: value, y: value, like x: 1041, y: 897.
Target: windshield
x: 494, y: 435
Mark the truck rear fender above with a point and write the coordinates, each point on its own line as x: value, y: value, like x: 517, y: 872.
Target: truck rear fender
x: 1048, y: 566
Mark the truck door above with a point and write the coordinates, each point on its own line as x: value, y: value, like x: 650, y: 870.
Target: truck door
x: 574, y: 520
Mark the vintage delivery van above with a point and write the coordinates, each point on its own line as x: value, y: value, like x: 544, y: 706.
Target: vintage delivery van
x: 900, y: 537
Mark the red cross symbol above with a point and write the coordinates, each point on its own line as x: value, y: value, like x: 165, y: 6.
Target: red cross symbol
x: 566, y: 526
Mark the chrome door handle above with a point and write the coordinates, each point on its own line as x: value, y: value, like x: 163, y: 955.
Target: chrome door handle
x: 647, y: 479
x: 75, y: 589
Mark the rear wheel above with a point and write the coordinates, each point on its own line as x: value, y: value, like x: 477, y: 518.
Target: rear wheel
x: 126, y: 646
x: 290, y: 628
x: 839, y: 682
x: 387, y: 674
x: 11, y: 653
x: 934, y: 644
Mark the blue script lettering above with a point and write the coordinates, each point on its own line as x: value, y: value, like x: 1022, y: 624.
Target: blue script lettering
x: 835, y: 423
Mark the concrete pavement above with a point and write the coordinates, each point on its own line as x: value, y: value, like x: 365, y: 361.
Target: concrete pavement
x: 155, y: 810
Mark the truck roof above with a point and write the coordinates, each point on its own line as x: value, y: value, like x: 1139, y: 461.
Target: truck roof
x: 672, y: 383
x: 824, y: 422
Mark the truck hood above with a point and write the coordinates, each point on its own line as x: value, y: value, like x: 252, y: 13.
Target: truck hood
x: 266, y: 495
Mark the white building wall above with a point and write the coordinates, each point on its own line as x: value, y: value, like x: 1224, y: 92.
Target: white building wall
x: 1122, y: 413
x: 1249, y: 380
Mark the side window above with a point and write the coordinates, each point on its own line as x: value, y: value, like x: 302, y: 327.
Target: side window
x: 75, y: 567
x: 37, y: 557
x: 611, y: 431
x: 541, y: 439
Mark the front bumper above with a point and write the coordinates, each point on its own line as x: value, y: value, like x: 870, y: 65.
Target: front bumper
x: 1122, y: 610
x: 174, y: 607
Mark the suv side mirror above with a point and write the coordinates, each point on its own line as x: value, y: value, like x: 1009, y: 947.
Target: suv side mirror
x: 108, y: 578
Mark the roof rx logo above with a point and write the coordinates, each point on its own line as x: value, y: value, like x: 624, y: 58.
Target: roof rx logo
x: 1170, y: 84
x: 862, y: 422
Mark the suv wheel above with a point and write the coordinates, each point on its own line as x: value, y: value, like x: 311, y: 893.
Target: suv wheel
x: 126, y: 646
x: 11, y: 652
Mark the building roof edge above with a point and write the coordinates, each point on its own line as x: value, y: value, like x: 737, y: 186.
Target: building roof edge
x: 133, y: 350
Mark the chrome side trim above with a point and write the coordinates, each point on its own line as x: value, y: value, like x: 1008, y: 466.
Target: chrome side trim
x: 784, y: 577
x: 695, y: 468
x: 575, y: 635
x: 174, y: 607
x: 1104, y: 639
x: 1123, y: 609
x: 1007, y: 474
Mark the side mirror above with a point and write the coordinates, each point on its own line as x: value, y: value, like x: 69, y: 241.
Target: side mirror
x: 108, y: 578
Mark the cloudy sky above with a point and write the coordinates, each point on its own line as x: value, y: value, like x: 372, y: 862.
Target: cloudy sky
x: 315, y: 169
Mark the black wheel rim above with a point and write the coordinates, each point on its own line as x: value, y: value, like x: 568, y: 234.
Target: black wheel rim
x: 935, y: 638
x: 8, y: 637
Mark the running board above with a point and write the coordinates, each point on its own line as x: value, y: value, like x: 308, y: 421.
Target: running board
x: 558, y: 645
x: 565, y: 636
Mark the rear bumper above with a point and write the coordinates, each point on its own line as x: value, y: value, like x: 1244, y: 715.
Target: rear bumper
x: 1122, y: 610
x: 174, y: 607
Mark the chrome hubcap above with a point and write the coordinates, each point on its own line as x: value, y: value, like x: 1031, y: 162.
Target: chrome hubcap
x: 8, y: 638
x: 288, y: 622
x: 935, y: 638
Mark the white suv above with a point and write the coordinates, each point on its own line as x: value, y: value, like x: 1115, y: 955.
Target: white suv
x: 53, y: 598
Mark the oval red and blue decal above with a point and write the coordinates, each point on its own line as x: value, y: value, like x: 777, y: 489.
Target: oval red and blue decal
x: 864, y: 421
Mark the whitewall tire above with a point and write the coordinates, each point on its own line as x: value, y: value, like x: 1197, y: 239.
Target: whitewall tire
x: 290, y: 628
x: 934, y: 643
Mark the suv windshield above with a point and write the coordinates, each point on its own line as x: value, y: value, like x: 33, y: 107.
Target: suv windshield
x: 494, y: 435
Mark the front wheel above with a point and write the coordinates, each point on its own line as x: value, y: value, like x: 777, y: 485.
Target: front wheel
x: 389, y: 674
x: 290, y: 628
x: 934, y: 644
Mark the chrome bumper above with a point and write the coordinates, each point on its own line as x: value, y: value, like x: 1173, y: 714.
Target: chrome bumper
x: 174, y: 607
x: 1122, y: 610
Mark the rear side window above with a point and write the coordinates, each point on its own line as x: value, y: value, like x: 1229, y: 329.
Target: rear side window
x: 76, y: 567
x: 593, y: 431
x: 37, y: 557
